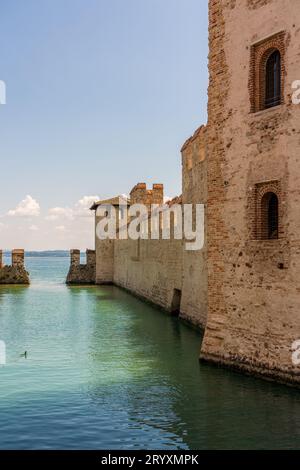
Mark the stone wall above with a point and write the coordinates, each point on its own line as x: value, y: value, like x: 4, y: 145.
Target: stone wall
x: 253, y: 292
x: 243, y: 287
x: 162, y: 271
x: 141, y: 195
x: 16, y: 272
x: 194, y: 191
x: 82, y: 273
x: 151, y: 269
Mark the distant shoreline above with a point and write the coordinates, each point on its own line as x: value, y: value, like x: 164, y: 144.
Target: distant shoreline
x: 42, y: 254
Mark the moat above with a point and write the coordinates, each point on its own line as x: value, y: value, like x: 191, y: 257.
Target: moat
x: 105, y: 370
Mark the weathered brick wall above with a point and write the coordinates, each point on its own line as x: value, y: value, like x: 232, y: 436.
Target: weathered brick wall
x: 253, y: 292
x: 141, y: 195
x: 194, y: 191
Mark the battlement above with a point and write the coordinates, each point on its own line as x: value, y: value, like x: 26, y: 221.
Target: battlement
x: 82, y: 273
x: 141, y: 195
x: 193, y: 150
x: 75, y: 257
x: 17, y: 257
x: 16, y: 272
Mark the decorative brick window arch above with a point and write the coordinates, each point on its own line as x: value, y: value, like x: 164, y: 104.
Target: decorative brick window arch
x: 260, y: 53
x: 268, y: 211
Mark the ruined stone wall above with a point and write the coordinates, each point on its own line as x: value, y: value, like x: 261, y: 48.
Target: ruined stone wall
x: 194, y: 270
x: 16, y: 272
x: 253, y: 292
x: 82, y: 273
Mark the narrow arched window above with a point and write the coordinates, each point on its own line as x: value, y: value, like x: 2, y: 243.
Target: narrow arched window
x: 269, y: 216
x: 273, y: 80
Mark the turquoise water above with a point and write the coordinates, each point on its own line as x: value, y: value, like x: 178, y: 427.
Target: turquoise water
x: 105, y: 370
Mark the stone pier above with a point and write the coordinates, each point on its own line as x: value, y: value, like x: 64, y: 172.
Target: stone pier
x: 82, y: 273
x: 16, y: 272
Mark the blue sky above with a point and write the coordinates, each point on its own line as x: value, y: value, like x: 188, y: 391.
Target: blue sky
x: 101, y: 94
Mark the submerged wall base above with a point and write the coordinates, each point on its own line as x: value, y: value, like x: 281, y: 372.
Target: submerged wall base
x: 81, y: 274
x: 260, y: 370
x: 14, y: 275
x: 16, y: 272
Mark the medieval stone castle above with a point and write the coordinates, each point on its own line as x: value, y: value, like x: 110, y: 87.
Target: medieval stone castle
x: 242, y: 287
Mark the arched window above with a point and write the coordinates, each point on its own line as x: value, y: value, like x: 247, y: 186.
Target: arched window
x: 269, y: 216
x: 273, y: 80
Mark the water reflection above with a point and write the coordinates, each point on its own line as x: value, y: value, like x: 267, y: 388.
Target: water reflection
x: 158, y: 376
x: 105, y: 370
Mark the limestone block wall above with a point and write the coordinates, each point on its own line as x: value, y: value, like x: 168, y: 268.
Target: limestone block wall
x: 253, y: 292
x: 151, y: 269
x: 163, y: 271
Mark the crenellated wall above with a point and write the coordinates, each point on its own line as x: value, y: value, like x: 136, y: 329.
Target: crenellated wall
x: 16, y: 272
x: 242, y: 287
x: 82, y: 273
x: 141, y: 195
x: 163, y: 271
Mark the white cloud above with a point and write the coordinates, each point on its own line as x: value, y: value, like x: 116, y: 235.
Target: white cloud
x: 60, y: 212
x: 60, y: 228
x: 28, y: 207
x: 80, y: 209
x: 33, y: 228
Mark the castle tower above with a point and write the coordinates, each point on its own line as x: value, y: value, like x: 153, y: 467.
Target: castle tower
x: 104, y: 256
x: 141, y: 195
x: 253, y: 187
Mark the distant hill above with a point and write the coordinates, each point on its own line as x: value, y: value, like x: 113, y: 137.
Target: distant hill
x: 43, y: 254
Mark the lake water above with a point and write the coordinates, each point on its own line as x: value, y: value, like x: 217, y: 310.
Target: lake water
x: 105, y: 370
